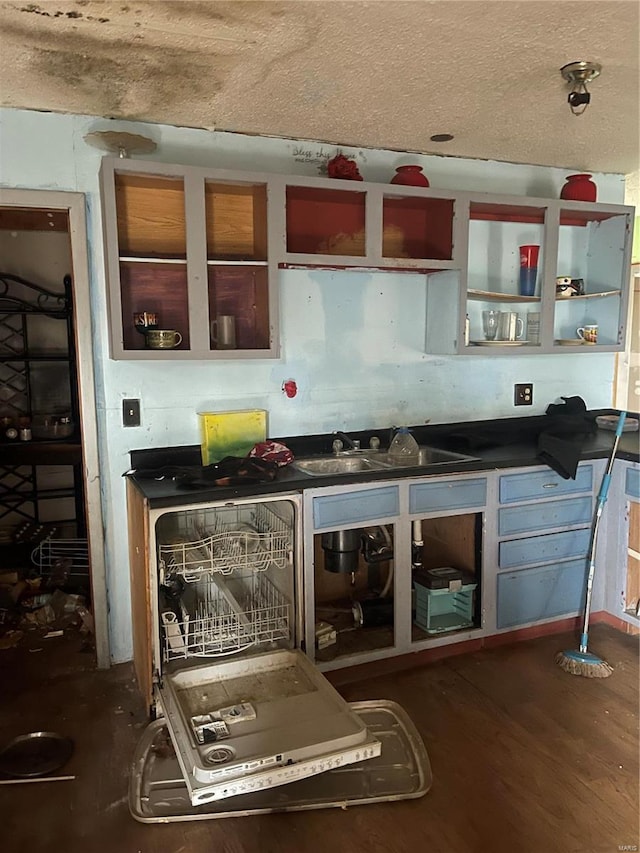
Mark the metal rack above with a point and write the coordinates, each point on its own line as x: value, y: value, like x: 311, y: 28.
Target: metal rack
x: 224, y: 616
x: 23, y: 364
x: 230, y: 540
x: 73, y: 553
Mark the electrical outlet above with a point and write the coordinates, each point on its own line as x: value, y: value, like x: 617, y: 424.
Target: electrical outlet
x: 523, y: 394
x: 131, y: 413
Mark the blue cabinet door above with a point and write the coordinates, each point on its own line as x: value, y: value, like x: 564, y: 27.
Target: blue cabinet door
x: 450, y: 494
x: 632, y: 483
x: 542, y: 549
x: 543, y: 516
x: 543, y: 484
x: 354, y: 507
x: 530, y: 595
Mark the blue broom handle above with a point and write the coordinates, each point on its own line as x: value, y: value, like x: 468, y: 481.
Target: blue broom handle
x: 606, y: 480
x: 600, y: 502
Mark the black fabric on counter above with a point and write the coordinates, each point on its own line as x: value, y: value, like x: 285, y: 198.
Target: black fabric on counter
x: 558, y: 436
x: 560, y: 442
x: 230, y: 471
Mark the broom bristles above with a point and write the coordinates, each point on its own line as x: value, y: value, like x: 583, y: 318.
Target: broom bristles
x: 587, y: 665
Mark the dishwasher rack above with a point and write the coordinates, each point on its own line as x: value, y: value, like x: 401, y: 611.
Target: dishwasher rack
x: 222, y: 616
x: 232, y: 539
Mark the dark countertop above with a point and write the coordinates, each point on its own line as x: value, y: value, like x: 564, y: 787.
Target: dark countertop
x: 496, y: 444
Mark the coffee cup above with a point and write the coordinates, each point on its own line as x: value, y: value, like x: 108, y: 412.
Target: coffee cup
x: 589, y: 334
x: 510, y: 326
x: 163, y: 338
x: 223, y: 331
x: 144, y: 321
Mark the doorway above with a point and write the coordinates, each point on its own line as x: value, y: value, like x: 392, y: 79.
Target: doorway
x: 43, y: 242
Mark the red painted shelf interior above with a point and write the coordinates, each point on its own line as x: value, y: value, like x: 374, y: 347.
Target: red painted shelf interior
x: 414, y: 227
x: 242, y: 292
x: 535, y: 215
x: 160, y: 289
x: 325, y: 221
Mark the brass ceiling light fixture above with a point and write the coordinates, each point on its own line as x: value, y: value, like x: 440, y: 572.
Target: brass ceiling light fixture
x: 578, y: 74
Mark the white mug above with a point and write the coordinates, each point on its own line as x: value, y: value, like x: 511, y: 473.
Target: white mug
x: 223, y: 331
x: 510, y: 326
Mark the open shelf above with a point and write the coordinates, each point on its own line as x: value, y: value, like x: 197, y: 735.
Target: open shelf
x: 490, y: 296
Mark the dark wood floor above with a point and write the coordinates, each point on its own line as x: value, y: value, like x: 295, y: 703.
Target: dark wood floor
x: 525, y: 757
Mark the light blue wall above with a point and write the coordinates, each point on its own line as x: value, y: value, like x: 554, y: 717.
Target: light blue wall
x: 354, y: 342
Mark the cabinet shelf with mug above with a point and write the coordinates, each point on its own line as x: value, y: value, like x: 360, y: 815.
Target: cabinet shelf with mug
x: 180, y: 239
x: 501, y: 303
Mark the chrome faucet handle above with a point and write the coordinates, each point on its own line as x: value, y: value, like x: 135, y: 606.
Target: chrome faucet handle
x: 337, y: 445
x: 356, y: 443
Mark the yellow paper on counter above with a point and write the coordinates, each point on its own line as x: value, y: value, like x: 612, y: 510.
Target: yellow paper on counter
x: 230, y: 433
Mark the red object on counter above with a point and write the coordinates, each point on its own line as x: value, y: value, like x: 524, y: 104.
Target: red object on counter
x: 272, y: 451
x: 410, y: 176
x: 579, y: 188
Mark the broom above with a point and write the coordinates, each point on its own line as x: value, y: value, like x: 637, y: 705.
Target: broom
x: 582, y: 662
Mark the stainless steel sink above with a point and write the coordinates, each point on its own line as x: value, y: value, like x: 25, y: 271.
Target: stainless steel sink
x: 372, y: 460
x: 326, y: 466
x: 427, y: 456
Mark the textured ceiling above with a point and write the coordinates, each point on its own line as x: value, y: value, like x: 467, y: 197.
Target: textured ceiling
x: 375, y: 74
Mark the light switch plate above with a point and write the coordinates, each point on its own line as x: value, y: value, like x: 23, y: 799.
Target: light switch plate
x: 131, y: 413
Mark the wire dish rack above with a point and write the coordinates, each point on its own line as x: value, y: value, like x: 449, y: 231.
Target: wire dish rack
x: 249, y: 538
x: 52, y: 555
x: 225, y: 615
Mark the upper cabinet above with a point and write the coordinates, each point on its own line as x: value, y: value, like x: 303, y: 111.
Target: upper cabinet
x: 188, y: 252
x: 196, y: 252
x: 495, y: 306
x: 356, y: 224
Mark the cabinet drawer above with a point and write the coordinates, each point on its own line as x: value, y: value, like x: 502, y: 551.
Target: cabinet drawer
x: 338, y: 510
x: 533, y: 594
x: 519, y: 519
x: 543, y: 484
x: 452, y: 494
x: 542, y: 549
x: 632, y: 483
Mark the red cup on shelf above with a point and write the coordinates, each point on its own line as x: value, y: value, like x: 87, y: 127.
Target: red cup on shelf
x: 528, y: 269
x: 529, y: 256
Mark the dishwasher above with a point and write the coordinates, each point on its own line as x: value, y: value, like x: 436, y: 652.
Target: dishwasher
x: 245, y: 709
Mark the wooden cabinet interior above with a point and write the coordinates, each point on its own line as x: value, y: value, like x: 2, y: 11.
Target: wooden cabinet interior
x: 162, y: 263
x: 453, y: 541
x: 157, y: 288
x: 242, y: 292
x: 236, y: 221
x: 151, y: 216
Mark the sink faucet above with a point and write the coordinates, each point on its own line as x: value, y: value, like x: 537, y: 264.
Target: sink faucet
x: 342, y: 440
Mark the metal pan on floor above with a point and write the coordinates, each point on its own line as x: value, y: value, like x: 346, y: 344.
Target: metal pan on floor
x: 35, y: 754
x: 159, y: 794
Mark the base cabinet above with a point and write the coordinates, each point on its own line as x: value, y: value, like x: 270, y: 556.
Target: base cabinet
x: 367, y: 552
x: 543, y: 532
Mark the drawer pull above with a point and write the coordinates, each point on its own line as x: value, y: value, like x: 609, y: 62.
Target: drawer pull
x: 550, y: 486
